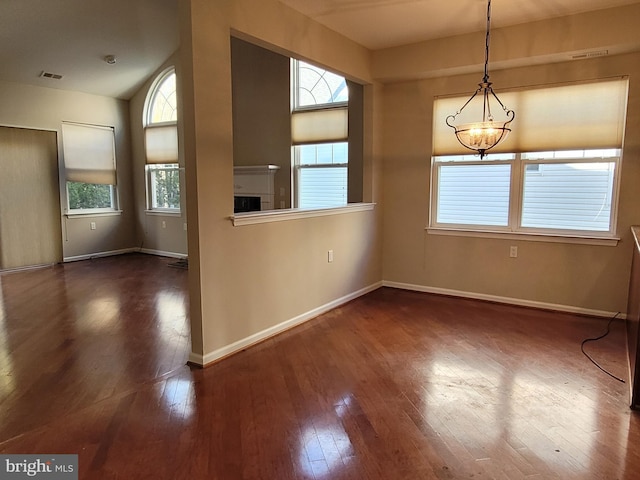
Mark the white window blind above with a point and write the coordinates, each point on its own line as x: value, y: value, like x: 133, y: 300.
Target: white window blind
x: 161, y: 143
x: 569, y: 195
x: 474, y: 194
x: 89, y: 153
x: 566, y: 117
x: 322, y: 187
x: 327, y: 125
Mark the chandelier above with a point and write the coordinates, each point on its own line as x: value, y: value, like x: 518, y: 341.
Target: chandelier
x: 486, y: 134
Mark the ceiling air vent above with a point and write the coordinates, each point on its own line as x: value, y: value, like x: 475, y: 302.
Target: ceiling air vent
x: 54, y: 76
x: 596, y: 53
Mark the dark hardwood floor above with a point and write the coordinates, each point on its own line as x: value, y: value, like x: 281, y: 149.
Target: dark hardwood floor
x: 393, y: 385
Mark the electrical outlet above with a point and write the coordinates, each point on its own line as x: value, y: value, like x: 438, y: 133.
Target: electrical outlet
x: 513, y: 251
x: 184, y: 227
x: 330, y: 256
x: 92, y: 225
x: 164, y: 224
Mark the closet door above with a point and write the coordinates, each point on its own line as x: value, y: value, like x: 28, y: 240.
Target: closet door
x: 30, y: 222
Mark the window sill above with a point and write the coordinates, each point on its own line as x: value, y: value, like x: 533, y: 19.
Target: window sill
x: 164, y: 213
x: 530, y: 237
x: 252, y: 218
x: 93, y: 213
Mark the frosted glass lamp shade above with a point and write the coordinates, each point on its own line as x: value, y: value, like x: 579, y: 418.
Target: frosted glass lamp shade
x: 482, y: 136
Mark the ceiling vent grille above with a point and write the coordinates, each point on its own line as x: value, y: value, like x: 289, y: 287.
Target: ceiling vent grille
x: 53, y: 76
x: 597, y: 53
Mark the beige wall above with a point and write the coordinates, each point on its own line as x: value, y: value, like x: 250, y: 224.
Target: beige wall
x: 581, y: 277
x: 46, y: 108
x: 248, y: 280
x: 155, y: 232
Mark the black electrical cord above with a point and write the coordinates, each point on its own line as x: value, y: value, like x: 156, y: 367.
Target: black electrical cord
x: 600, y: 338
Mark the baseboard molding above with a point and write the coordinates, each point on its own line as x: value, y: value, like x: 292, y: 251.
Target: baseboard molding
x: 148, y: 251
x: 219, y: 354
x: 28, y: 267
x: 110, y: 253
x: 506, y: 300
x: 161, y: 253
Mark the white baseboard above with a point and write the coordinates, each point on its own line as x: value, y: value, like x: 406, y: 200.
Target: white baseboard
x: 507, y: 300
x: 110, y: 253
x: 161, y: 253
x: 28, y: 267
x: 204, y: 360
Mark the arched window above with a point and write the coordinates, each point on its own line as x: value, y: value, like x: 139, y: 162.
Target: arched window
x: 162, y: 106
x: 161, y: 144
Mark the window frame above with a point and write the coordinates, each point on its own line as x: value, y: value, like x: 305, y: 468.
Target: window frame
x: 295, y: 95
x: 299, y: 167
x: 151, y: 167
x: 150, y: 170
x: 151, y: 95
x: 113, y: 191
x: 334, y: 137
x: 514, y: 228
x: 71, y: 160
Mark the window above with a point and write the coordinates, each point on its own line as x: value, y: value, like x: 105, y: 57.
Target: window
x: 544, y: 192
x: 88, y: 196
x: 568, y: 188
x: 90, y: 169
x: 164, y: 186
x: 322, y: 175
x: 161, y: 144
x: 319, y: 128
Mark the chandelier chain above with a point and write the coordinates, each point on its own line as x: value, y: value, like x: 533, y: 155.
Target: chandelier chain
x: 483, y: 135
x: 486, y: 43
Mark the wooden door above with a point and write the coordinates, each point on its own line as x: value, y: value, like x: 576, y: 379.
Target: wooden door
x: 30, y: 226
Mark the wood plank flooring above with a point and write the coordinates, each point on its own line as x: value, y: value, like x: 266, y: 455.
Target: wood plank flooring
x: 393, y: 385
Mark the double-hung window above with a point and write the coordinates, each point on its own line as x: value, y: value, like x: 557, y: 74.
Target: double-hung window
x: 319, y: 128
x: 557, y: 174
x: 90, y: 168
x: 161, y: 145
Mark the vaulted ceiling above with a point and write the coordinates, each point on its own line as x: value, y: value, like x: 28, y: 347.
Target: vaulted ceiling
x: 71, y: 38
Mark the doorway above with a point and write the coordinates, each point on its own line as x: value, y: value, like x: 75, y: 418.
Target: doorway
x: 30, y: 227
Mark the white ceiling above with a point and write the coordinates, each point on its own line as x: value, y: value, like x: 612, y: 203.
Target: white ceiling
x: 72, y: 37
x: 387, y: 23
